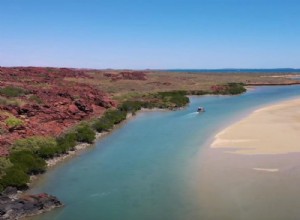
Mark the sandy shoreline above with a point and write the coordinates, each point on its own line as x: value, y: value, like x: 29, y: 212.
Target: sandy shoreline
x: 252, y: 168
x: 270, y: 130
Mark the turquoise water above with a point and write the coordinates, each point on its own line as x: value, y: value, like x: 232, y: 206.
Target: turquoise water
x: 143, y: 170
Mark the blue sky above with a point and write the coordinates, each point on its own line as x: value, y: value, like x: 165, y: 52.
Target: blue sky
x: 143, y: 34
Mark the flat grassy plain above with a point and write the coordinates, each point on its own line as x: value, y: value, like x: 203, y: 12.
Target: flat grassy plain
x: 157, y: 81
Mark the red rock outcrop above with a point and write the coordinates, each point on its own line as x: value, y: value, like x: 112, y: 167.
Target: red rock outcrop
x: 51, y: 103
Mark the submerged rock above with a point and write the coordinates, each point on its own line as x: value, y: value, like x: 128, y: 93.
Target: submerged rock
x: 16, y: 207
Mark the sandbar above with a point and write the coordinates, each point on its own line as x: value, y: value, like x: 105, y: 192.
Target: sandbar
x: 273, y: 129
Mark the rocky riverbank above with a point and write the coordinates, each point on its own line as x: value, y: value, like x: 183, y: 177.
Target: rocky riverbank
x: 14, y: 205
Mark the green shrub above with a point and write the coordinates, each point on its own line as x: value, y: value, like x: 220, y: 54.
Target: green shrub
x: 34, y: 144
x: 66, y: 142
x: 11, y: 91
x: 36, y: 99
x: 4, y: 165
x: 175, y: 98
x: 15, y: 177
x: 236, y: 88
x: 111, y: 117
x: 103, y: 124
x: 115, y: 116
x: 198, y: 92
x: 148, y: 104
x: 44, y: 147
x: 84, y: 133
x: 131, y: 106
x: 229, y: 89
x: 13, y: 122
x: 48, y: 152
x: 28, y: 162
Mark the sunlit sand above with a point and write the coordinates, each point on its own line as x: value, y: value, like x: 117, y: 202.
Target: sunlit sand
x: 270, y: 130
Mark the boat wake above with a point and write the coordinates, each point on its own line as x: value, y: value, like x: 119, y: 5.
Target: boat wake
x: 191, y: 115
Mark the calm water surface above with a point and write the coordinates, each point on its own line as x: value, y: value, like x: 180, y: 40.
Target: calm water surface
x: 143, y: 170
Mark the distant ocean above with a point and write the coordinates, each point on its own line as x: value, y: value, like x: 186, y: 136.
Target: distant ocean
x: 279, y: 70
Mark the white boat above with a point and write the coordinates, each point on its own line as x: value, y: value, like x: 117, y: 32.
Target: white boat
x: 201, y: 109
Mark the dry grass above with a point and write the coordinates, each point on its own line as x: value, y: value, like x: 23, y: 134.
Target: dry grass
x: 11, y: 101
x: 167, y: 81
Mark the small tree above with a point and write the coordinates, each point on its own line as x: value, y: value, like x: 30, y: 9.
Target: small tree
x: 15, y: 177
x: 66, y: 142
x: 28, y: 162
x: 103, y: 124
x: 84, y: 133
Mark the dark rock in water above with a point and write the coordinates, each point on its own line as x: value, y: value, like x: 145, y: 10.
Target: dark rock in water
x: 13, y: 207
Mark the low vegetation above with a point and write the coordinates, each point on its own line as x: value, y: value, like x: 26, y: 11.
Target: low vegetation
x: 14, y: 177
x: 236, y: 88
x: 28, y: 155
x: 28, y: 162
x: 36, y: 99
x: 66, y: 142
x: 173, y: 99
x: 4, y: 165
x: 10, y: 101
x: 84, y: 133
x: 13, y: 122
x: 12, y: 91
x: 229, y: 89
x: 109, y: 119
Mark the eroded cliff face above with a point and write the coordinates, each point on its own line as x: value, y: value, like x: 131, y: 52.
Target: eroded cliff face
x: 48, y: 104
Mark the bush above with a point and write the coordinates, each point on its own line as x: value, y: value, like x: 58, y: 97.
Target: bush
x: 28, y: 162
x: 103, y: 124
x: 112, y: 117
x: 131, y: 106
x: 84, y: 133
x: 236, y: 88
x: 176, y: 98
x: 198, y: 92
x: 44, y: 147
x: 13, y: 122
x: 11, y: 91
x: 229, y: 89
x: 66, y: 142
x: 34, y: 144
x: 4, y: 165
x: 115, y: 116
x: 15, y: 177
x: 47, y: 152
x: 36, y: 99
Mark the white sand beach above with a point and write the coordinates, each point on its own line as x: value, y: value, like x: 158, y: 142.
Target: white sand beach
x: 270, y: 130
x: 252, y: 168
